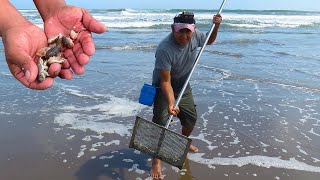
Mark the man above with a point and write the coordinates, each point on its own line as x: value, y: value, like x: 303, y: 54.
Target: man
x: 175, y: 57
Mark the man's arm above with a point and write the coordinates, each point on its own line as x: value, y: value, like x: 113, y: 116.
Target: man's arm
x: 165, y: 81
x: 216, y: 20
x: 47, y: 7
x: 10, y: 17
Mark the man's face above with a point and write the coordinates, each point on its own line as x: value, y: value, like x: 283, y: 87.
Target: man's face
x: 183, y: 36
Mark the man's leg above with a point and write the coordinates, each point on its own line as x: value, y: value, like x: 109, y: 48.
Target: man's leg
x: 160, y: 116
x: 188, y: 116
x: 156, y: 171
x: 187, y: 131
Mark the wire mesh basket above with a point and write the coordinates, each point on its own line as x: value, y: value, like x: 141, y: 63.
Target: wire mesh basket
x: 160, y: 142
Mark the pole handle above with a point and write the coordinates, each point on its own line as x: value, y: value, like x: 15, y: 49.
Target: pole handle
x: 194, y: 66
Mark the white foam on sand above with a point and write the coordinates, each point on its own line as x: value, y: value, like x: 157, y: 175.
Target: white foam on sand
x: 99, y: 144
x: 81, y: 118
x: 83, y: 122
x: 109, y: 117
x: 312, y: 132
x: 260, y: 161
x: 116, y: 107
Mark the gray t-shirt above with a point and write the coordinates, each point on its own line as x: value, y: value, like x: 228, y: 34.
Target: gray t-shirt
x: 177, y: 59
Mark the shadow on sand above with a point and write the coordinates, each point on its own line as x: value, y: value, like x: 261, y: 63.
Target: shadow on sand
x: 114, y: 165
x: 126, y: 164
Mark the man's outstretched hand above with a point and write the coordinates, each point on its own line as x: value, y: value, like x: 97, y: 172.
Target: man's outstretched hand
x: 68, y: 18
x: 21, y: 44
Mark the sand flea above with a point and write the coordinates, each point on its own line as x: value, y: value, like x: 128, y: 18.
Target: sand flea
x: 52, y: 53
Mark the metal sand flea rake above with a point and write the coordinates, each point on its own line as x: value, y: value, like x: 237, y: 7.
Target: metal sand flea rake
x: 160, y: 142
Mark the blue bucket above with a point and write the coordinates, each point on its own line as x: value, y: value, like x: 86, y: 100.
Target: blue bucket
x: 147, y: 94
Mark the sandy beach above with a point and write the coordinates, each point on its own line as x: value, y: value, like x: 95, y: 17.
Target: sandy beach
x: 32, y: 149
x: 256, y: 89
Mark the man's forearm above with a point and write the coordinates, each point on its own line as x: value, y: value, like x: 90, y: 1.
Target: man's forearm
x: 213, y: 34
x: 47, y: 7
x: 168, y: 92
x: 165, y: 82
x: 10, y: 17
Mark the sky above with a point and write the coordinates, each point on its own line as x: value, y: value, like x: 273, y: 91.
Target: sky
x: 305, y: 5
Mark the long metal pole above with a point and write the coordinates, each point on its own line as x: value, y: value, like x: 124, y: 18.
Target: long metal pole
x: 194, y: 66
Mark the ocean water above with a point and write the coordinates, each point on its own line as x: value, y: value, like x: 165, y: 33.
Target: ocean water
x: 257, y: 89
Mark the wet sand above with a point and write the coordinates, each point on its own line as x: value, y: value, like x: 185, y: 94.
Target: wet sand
x: 80, y: 129
x: 257, y: 91
x: 31, y: 148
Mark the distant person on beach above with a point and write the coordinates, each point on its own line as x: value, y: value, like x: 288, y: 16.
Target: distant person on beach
x: 22, y: 40
x: 174, y: 59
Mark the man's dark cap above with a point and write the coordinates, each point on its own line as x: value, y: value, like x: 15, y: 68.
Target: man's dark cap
x: 184, y: 17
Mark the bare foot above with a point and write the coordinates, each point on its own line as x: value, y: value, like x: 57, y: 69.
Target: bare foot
x: 156, y: 169
x: 193, y: 149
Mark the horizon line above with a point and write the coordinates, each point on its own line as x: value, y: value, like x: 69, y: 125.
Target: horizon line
x: 195, y: 9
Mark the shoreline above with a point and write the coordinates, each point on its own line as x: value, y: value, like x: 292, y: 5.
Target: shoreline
x: 37, y: 151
